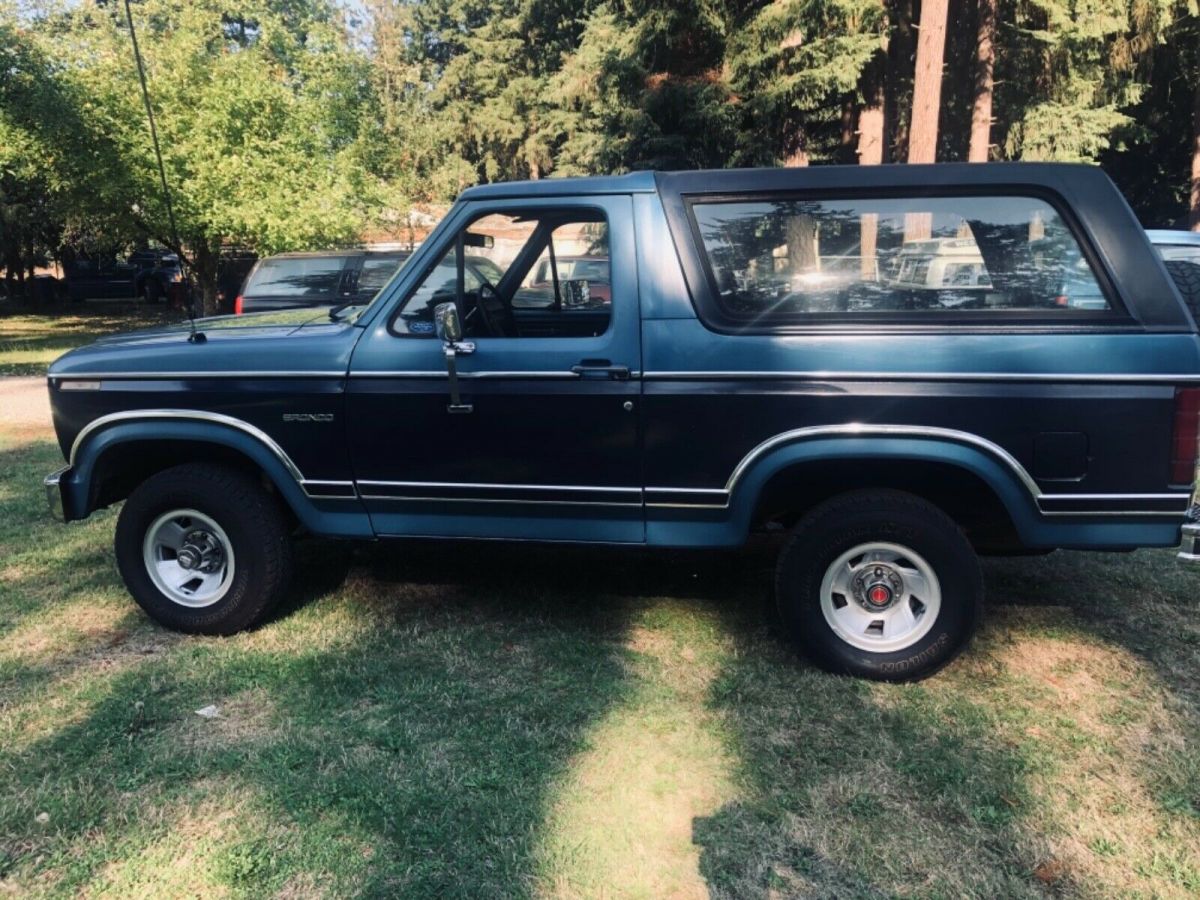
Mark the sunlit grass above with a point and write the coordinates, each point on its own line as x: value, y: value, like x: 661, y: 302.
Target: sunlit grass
x: 29, y: 342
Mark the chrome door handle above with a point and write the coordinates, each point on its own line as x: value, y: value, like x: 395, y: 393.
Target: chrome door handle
x: 601, y: 369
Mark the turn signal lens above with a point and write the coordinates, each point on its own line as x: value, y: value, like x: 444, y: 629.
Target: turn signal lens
x: 1186, y: 436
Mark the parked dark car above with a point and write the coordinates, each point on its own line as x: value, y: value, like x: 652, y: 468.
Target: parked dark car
x: 290, y: 280
x: 233, y: 267
x: 778, y: 355
x: 1180, y: 251
x: 151, y: 275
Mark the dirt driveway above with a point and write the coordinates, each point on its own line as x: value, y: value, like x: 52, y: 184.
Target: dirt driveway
x: 25, y: 406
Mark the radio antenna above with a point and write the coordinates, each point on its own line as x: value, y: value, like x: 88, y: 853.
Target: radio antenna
x: 195, y: 337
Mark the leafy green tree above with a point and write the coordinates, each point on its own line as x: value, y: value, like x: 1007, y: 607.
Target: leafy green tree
x: 258, y: 106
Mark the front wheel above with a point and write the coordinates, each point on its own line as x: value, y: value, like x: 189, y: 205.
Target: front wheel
x: 203, y: 549
x: 879, y: 584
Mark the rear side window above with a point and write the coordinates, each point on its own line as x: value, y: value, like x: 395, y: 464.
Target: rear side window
x: 297, y: 276
x: 902, y: 259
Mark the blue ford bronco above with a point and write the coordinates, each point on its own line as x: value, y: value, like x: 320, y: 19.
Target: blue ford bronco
x: 898, y: 367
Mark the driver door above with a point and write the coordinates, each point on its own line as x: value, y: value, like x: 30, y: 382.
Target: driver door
x: 544, y: 442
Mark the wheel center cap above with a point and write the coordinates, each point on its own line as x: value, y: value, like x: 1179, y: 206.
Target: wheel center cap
x: 877, y: 586
x: 200, y: 551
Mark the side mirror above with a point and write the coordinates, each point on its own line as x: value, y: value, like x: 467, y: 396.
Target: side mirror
x: 446, y: 323
x: 449, y: 328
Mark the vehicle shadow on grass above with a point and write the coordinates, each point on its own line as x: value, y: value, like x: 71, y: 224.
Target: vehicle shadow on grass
x: 386, y: 737
x: 849, y: 789
x: 1008, y: 774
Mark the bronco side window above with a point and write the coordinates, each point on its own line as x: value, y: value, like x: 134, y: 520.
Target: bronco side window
x: 902, y: 259
x: 529, y: 273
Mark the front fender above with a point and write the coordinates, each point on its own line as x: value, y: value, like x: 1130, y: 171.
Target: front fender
x: 326, y: 515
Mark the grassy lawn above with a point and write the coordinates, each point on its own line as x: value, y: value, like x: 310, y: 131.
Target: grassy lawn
x: 484, y: 721
x: 30, y: 341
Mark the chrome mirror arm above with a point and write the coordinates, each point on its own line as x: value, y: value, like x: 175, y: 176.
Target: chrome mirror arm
x: 451, y: 349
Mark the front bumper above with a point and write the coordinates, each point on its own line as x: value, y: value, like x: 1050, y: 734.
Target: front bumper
x: 54, y: 497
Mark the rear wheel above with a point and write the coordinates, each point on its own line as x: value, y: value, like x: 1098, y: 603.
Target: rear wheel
x: 203, y: 549
x: 879, y: 584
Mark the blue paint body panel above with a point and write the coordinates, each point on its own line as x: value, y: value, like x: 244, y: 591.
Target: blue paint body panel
x: 350, y: 421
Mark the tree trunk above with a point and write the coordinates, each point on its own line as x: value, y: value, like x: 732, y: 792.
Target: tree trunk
x: 870, y: 153
x: 927, y: 82
x: 204, y: 277
x: 802, y: 248
x: 897, y: 79
x: 927, y: 101
x: 795, y: 150
x: 1194, y: 206
x: 985, y: 65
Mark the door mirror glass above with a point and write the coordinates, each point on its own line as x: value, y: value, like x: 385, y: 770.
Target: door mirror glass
x: 446, y: 323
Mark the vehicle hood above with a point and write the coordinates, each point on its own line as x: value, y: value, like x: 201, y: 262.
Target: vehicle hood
x: 278, y: 320
x: 292, y: 341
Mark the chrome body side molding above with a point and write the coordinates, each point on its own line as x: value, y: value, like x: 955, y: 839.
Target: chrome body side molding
x: 829, y: 375
x: 176, y: 376
x: 1089, y: 505
x: 717, y: 498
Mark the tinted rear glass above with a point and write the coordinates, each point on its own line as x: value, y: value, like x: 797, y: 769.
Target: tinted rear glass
x: 376, y: 271
x: 306, y: 276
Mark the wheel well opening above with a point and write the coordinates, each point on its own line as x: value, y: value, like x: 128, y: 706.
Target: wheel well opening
x: 961, y: 494
x: 122, y: 467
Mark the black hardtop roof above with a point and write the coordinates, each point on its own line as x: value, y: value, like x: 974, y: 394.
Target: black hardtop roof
x: 939, y: 175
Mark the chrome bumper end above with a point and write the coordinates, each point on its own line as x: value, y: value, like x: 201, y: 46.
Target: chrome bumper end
x: 54, y: 497
x: 1189, y: 546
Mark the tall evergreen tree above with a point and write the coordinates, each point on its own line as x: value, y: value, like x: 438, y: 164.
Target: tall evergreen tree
x: 795, y: 67
x: 1066, y: 77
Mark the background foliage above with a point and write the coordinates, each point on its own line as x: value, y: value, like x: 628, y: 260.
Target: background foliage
x: 293, y: 124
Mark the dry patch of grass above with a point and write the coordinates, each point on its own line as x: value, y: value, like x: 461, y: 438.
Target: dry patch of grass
x: 622, y: 818
x: 1103, y: 717
x: 180, y: 857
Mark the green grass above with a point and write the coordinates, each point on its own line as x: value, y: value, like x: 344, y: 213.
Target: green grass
x: 479, y: 721
x: 30, y: 341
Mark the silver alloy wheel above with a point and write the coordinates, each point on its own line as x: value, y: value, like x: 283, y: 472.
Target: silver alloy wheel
x: 189, y: 558
x: 880, y: 597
